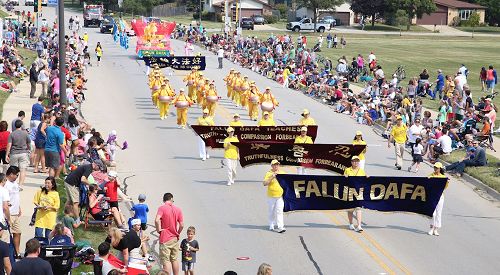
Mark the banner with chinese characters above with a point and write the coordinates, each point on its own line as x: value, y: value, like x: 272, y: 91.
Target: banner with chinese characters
x: 332, y: 157
x: 389, y: 194
x: 177, y: 62
x: 214, y: 136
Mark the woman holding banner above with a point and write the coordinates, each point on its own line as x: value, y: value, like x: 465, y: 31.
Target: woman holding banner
x: 358, y: 140
x: 355, y: 171
x: 303, y: 138
x: 266, y: 120
x: 306, y: 119
x: 205, y: 120
x: 275, y: 201
x: 236, y: 121
x: 231, y: 155
x: 436, y: 216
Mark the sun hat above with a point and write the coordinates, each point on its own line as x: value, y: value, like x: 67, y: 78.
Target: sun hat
x: 303, y: 129
x: 438, y: 165
x: 275, y: 161
x: 135, y: 222
x: 113, y: 174
x: 229, y: 129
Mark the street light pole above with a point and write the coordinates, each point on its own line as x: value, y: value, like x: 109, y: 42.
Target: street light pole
x: 62, y: 53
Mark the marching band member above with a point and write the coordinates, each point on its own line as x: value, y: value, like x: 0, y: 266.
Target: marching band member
x: 231, y: 155
x: 203, y: 92
x: 253, y: 102
x: 199, y: 83
x: 236, y: 121
x: 205, y: 120
x: 266, y: 120
x: 155, y: 85
x: 436, y: 216
x: 211, y: 98
x: 275, y: 201
x: 228, y: 80
x: 245, y: 87
x: 182, y: 102
x: 355, y: 171
x: 303, y: 138
x: 190, y: 78
x: 236, y: 83
x: 306, y: 119
x: 267, y: 99
x: 165, y: 95
x: 358, y: 140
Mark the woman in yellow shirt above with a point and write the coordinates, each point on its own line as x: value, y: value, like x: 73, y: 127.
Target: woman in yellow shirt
x: 436, y: 216
x: 245, y: 88
x: 355, y: 171
x: 253, y: 102
x: 268, y: 97
x: 182, y: 102
x: 165, y: 96
x: 231, y: 155
x: 228, y: 79
x: 205, y: 120
x: 303, y: 138
x: 236, y: 121
x: 275, y: 201
x: 47, y: 204
x: 358, y: 140
x: 189, y: 79
x: 266, y: 120
x: 306, y: 119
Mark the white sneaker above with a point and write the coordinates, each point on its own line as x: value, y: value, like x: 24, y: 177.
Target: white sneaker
x: 431, y: 232
x: 228, y: 184
x: 208, y: 156
x: 271, y: 228
x: 203, y: 159
x: 436, y: 232
x: 359, y: 229
x: 351, y: 226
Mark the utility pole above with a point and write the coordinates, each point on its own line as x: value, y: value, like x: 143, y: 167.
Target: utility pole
x: 200, y: 12
x: 62, y: 53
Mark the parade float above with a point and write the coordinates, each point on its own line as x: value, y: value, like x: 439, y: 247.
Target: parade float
x: 153, y: 38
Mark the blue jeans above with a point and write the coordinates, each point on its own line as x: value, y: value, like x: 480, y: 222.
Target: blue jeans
x: 435, y: 92
x: 39, y: 232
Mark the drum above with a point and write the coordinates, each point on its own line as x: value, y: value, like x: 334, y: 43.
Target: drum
x: 267, y: 106
x: 165, y: 98
x: 254, y: 99
x: 212, y: 98
x: 156, y: 87
x: 182, y: 104
x: 190, y: 83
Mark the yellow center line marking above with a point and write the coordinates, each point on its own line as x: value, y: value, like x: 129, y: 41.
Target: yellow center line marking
x: 354, y: 237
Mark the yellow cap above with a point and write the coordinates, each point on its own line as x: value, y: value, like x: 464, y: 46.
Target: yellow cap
x: 355, y: 158
x: 181, y: 90
x: 245, y: 76
x: 268, y: 88
x: 266, y: 113
x: 201, y: 73
x: 253, y: 81
x: 229, y: 129
x: 305, y: 112
x: 232, y: 70
x: 205, y: 111
x: 275, y: 161
x: 236, y: 115
x: 438, y: 165
x: 303, y: 129
x: 399, y: 117
x: 359, y: 133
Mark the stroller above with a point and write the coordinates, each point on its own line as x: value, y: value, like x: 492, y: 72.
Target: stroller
x: 60, y: 257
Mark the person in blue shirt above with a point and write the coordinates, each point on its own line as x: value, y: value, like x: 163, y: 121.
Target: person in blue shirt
x: 439, y: 85
x: 59, y: 237
x: 54, y: 143
x: 141, y: 211
x: 37, y: 111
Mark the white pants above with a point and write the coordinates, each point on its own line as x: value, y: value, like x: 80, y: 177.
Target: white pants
x: 275, y: 211
x: 362, y: 163
x: 399, y: 149
x: 202, y: 148
x: 301, y: 170
x: 436, y: 217
x: 231, y: 169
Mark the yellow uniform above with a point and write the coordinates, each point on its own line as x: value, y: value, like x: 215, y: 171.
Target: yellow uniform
x: 200, y: 85
x: 245, y: 86
x: 230, y: 151
x: 303, y: 140
x: 361, y: 156
x: 228, y: 79
x: 211, y: 105
x: 190, y: 79
x: 165, y: 106
x: 274, y: 189
x: 268, y: 97
x: 206, y: 121
x: 237, y: 81
x: 253, y: 110
x: 307, y: 121
x: 182, y: 112
x: 399, y: 133
x: 354, y: 172
x: 266, y: 122
x: 203, y: 92
x: 236, y: 123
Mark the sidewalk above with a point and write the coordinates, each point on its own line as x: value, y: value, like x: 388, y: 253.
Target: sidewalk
x: 15, y: 103
x: 496, y: 141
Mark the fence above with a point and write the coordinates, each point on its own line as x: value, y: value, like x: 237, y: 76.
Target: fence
x: 170, y: 9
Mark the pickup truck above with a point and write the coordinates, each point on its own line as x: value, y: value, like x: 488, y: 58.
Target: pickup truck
x: 307, y: 24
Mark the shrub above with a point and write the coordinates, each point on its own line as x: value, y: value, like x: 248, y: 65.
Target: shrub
x: 283, y: 10
x: 270, y: 19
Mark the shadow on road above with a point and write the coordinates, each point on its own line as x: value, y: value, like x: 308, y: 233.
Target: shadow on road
x: 476, y: 217
x: 216, y: 182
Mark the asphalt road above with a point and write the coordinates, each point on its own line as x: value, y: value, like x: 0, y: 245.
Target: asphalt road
x: 232, y: 221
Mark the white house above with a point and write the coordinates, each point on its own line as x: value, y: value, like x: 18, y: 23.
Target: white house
x: 248, y: 7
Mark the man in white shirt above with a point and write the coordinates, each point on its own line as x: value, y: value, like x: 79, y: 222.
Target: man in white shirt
x: 379, y: 75
x: 463, y: 70
x: 460, y: 81
x: 4, y: 210
x: 220, y: 56
x: 15, y: 205
x: 415, y: 131
x: 443, y: 145
x: 371, y: 57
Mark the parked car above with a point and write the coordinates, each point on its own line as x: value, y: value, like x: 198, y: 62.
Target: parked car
x: 247, y: 23
x: 258, y: 19
x: 307, y: 24
x: 45, y: 2
x: 29, y: 2
x: 329, y: 19
x: 13, y: 2
x: 107, y: 24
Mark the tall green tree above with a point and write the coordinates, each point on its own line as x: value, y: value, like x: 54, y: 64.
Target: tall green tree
x: 369, y: 8
x: 413, y: 8
x: 316, y: 5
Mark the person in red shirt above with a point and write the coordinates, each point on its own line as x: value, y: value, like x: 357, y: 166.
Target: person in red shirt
x: 4, y: 136
x: 111, y: 189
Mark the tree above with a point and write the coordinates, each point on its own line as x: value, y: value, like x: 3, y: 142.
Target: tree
x: 492, y: 10
x: 473, y: 21
x: 369, y: 8
x: 316, y: 5
x: 413, y: 8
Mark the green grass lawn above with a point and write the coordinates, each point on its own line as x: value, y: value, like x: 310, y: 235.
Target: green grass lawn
x: 383, y: 27
x: 3, y: 14
x: 485, y: 29
x: 488, y: 175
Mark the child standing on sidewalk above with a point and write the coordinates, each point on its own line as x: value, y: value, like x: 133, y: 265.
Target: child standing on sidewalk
x: 141, y: 211
x: 417, y: 150
x: 189, y: 247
